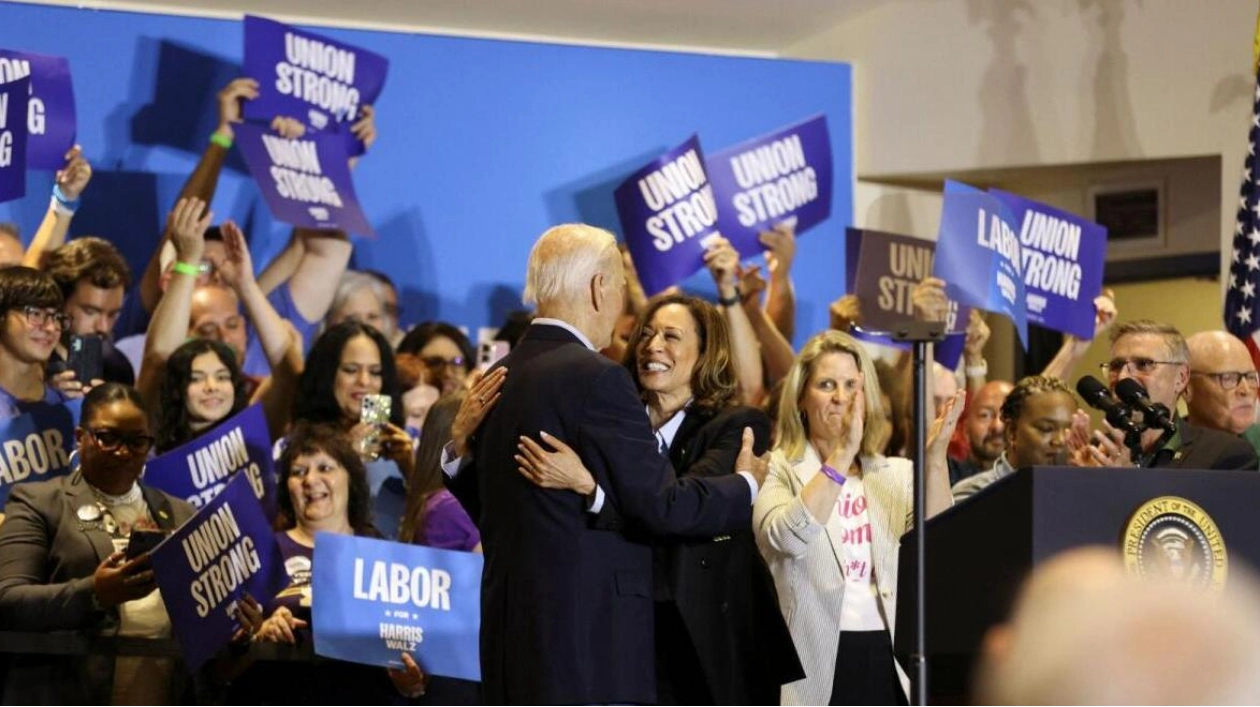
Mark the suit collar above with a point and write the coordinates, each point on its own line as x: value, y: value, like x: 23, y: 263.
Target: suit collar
x: 550, y: 329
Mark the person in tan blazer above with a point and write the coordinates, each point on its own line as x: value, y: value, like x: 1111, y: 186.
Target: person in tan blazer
x: 829, y: 520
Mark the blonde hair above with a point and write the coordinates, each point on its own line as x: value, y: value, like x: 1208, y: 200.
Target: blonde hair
x: 791, y: 427
x: 563, y: 261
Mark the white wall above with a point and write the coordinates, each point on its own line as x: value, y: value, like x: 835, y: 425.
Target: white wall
x: 946, y: 85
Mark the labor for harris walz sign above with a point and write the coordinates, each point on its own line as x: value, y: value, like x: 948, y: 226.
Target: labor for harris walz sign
x: 50, y: 118
x: 305, y: 181
x: 197, y: 471
x: 784, y: 176
x: 36, y: 445
x: 373, y: 600
x: 668, y: 216
x: 315, y: 79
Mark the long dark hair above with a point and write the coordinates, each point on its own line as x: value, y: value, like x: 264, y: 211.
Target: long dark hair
x: 308, y: 438
x: 315, y: 401
x: 426, y: 480
x: 714, y: 385
x: 174, y: 427
x: 424, y: 332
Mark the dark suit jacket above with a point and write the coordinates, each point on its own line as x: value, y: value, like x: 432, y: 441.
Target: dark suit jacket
x: 1204, y: 448
x: 47, y: 559
x: 721, y: 586
x: 566, y: 607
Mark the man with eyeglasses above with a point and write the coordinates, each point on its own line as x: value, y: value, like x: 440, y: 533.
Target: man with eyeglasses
x: 1155, y: 355
x: 1223, y: 381
x: 31, y: 307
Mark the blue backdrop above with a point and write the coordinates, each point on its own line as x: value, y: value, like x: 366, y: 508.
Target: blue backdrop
x: 483, y: 144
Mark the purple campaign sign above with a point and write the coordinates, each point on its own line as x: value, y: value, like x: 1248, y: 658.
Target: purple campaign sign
x: 13, y: 98
x: 306, y: 182
x: 668, y: 216
x: 50, y: 114
x: 882, y: 270
x: 1063, y: 258
x: 210, y: 563
x: 303, y: 75
x: 199, y: 470
x: 36, y: 445
x: 978, y: 254
x: 782, y: 176
x: 374, y: 600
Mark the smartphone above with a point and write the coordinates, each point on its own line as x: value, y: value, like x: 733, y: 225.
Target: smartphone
x: 375, y: 409
x: 142, y: 541
x: 489, y: 353
x: 85, y: 358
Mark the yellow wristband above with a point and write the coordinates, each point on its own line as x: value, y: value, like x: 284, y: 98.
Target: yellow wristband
x: 187, y: 268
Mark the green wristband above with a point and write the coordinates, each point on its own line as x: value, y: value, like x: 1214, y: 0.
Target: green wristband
x: 187, y: 268
x: 221, y: 140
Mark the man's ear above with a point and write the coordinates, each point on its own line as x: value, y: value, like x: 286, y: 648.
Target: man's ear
x: 598, y: 298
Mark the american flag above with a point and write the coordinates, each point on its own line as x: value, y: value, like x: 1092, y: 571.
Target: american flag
x: 1242, y: 317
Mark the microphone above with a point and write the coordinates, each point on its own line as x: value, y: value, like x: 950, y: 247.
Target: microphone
x: 1096, y: 395
x: 1135, y: 396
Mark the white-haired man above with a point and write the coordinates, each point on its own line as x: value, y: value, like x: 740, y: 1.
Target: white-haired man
x: 567, y: 608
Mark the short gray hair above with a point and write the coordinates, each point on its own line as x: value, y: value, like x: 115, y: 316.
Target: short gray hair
x: 563, y: 261
x: 351, y: 282
x: 1174, y: 342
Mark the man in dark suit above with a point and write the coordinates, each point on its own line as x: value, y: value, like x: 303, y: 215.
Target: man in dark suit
x: 1155, y: 355
x: 567, y: 601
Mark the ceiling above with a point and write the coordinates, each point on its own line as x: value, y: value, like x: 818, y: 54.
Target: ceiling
x: 763, y: 27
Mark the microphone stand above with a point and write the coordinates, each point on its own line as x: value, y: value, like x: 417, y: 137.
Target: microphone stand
x: 920, y: 334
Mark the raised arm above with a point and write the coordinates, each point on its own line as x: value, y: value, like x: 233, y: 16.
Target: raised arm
x: 776, y: 351
x: 186, y: 227
x: 780, y: 295
x: 1073, y: 349
x: 723, y: 261
x: 70, y: 183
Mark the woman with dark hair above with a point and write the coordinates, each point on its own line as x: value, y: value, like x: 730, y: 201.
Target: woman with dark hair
x: 433, y: 517
x: 202, y: 386
x: 347, y: 363
x: 62, y: 564
x: 322, y: 489
x: 445, y: 351
x: 719, y: 636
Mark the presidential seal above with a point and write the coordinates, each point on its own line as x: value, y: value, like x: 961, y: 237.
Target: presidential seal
x: 1172, y: 538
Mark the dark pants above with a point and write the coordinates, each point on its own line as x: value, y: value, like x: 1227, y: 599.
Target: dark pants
x: 865, y: 673
x: 680, y: 679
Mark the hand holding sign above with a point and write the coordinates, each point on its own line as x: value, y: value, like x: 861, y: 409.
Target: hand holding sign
x: 845, y: 312
x: 410, y: 680
x: 930, y: 302
x: 722, y: 261
x: 230, y: 98
x: 781, y: 242
x: 74, y: 177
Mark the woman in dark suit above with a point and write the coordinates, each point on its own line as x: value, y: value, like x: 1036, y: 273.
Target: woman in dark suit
x: 62, y: 563
x: 720, y: 638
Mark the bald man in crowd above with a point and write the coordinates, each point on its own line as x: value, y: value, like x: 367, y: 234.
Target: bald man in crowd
x: 1221, y: 393
x: 985, y: 431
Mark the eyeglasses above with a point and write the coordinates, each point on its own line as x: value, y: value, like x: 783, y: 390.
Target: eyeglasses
x: 1115, y: 367
x: 110, y: 441
x: 37, y: 317
x: 1228, y: 380
x: 437, y: 362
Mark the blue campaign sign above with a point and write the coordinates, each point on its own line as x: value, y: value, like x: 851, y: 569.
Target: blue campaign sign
x: 50, y: 115
x: 199, y: 470
x: 373, y: 600
x: 978, y: 254
x: 782, y: 176
x: 305, y: 182
x: 210, y: 563
x: 36, y: 445
x: 315, y: 79
x: 1063, y: 257
x: 668, y: 216
x: 882, y: 269
x: 13, y: 99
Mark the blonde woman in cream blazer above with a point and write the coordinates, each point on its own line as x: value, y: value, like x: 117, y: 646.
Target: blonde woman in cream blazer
x: 829, y: 518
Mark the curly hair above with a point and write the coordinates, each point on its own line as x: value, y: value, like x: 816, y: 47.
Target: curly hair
x: 91, y: 258
x: 312, y: 438
x: 21, y: 286
x: 1027, y: 387
x: 316, y: 401
x: 714, y: 385
x: 174, y: 426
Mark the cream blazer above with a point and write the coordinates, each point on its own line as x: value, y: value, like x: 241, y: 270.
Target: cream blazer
x: 804, y: 558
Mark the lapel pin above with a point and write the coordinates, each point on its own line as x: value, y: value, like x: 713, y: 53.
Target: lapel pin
x: 88, y: 513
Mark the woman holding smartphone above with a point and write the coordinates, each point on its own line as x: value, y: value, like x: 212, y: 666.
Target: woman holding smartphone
x: 350, y: 374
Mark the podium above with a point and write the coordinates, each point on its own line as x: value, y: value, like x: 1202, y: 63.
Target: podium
x: 980, y: 551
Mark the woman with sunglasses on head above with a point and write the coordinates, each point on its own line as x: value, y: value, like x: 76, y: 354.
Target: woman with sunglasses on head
x: 63, y: 563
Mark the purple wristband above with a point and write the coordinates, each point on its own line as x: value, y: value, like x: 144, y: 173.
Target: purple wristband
x: 834, y: 475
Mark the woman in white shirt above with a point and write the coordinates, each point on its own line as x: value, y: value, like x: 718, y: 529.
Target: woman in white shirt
x: 829, y: 519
